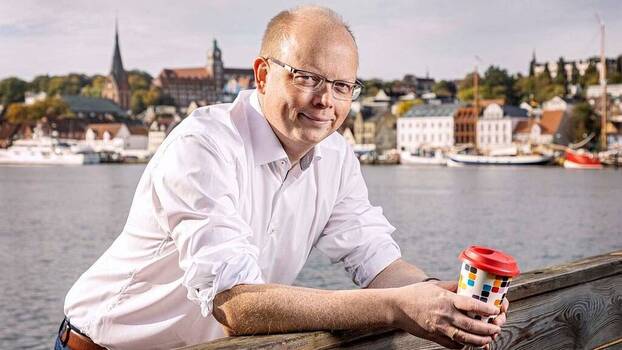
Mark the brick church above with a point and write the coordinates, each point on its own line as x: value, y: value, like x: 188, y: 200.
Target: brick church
x: 212, y: 83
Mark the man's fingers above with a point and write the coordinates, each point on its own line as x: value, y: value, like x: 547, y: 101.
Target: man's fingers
x: 448, y: 343
x: 479, y: 307
x: 500, y: 320
x: 505, y: 304
x: 476, y: 327
x: 467, y: 338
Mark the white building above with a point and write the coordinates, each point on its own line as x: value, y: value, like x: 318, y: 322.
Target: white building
x: 596, y: 91
x: 494, y: 128
x: 118, y: 138
x: 426, y: 126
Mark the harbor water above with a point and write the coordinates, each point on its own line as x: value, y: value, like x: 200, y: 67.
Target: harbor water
x: 55, y: 221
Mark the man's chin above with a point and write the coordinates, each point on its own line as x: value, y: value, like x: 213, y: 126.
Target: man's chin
x: 313, y: 138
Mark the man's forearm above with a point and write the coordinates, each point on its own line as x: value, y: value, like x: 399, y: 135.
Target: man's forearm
x: 398, y: 274
x: 274, y: 308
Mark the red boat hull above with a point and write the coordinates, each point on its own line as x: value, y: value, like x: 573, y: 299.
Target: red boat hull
x: 581, y: 160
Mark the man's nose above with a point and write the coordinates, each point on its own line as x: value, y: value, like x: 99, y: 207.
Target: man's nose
x: 323, y: 97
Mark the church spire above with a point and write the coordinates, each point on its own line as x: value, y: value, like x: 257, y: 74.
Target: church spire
x: 117, y: 87
x: 117, y: 70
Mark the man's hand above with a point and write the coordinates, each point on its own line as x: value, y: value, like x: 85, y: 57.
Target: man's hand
x: 432, y: 310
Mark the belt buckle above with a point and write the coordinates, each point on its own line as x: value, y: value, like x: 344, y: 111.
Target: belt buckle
x: 64, y: 330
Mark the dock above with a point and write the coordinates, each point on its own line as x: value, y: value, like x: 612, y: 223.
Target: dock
x: 577, y: 305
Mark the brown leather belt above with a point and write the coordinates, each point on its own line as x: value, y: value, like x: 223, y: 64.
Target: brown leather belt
x: 75, y: 340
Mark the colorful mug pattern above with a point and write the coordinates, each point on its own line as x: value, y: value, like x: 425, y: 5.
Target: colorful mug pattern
x: 483, y: 286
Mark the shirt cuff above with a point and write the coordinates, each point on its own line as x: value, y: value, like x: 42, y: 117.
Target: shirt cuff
x: 385, y: 252
x: 215, y: 278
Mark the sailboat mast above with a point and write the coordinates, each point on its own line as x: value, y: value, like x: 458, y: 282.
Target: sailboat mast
x: 475, y: 103
x: 603, y: 84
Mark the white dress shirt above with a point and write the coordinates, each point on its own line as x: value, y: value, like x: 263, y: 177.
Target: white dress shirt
x: 218, y: 206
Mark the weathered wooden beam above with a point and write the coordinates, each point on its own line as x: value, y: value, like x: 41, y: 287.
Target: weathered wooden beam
x: 577, y: 305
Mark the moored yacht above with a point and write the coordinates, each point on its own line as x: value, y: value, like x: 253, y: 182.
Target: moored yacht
x: 47, y: 151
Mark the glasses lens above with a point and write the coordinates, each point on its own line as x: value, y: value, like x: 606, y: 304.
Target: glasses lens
x: 307, y: 80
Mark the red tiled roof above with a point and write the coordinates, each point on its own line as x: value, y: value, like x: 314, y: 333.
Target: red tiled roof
x: 100, y: 129
x: 550, y: 121
x: 186, y: 73
x: 138, y: 130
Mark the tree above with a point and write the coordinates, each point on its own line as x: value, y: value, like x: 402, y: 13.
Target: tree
x: 50, y: 107
x: 40, y: 83
x: 575, y: 74
x: 584, y: 121
x: 497, y: 83
x: 590, y: 77
x: 94, y: 89
x: 16, y: 113
x: 445, y: 88
x: 12, y: 90
x: 139, y: 80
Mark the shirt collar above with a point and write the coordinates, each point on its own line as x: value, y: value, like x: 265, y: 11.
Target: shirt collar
x: 266, y: 146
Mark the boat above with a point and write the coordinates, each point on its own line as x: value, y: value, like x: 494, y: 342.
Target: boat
x: 423, y: 157
x: 47, y: 151
x: 476, y: 159
x: 611, y: 158
x: 581, y: 159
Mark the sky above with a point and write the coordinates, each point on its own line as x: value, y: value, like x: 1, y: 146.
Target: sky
x: 444, y: 39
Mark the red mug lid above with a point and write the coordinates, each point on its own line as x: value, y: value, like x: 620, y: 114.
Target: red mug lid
x: 490, y: 260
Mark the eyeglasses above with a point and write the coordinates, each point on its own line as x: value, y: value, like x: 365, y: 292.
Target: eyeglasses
x: 307, y: 81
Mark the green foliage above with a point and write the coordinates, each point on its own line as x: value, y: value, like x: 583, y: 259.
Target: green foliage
x: 591, y: 76
x: 584, y: 121
x: 70, y: 84
x: 497, y: 83
x: 141, y: 99
x: 94, y: 89
x: 139, y: 80
x: 445, y: 88
x: 50, y: 107
x: 12, y: 90
x: 40, y: 83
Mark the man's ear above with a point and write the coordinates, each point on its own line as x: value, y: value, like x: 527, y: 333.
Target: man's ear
x: 260, y: 67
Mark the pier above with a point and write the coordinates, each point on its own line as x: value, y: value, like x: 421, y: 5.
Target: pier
x: 577, y: 305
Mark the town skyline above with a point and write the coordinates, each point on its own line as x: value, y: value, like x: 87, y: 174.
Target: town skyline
x: 79, y: 37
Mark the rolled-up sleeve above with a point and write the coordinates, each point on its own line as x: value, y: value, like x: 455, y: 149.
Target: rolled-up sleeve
x: 196, y: 200
x: 357, y: 233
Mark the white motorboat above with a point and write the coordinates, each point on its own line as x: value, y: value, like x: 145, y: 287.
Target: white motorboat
x: 435, y: 157
x: 47, y: 151
x: 474, y: 159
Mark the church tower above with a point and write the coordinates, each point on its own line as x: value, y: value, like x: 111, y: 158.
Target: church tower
x: 215, y: 65
x: 117, y: 87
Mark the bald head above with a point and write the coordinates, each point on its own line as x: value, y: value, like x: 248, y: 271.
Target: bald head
x: 313, y: 20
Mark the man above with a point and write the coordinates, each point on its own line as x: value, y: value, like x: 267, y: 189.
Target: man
x: 230, y: 206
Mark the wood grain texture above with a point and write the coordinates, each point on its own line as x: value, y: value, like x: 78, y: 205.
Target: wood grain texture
x: 571, y: 306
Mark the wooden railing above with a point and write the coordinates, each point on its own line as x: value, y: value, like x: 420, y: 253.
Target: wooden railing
x: 577, y: 305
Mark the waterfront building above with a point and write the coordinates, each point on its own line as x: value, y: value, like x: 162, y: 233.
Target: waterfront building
x: 465, y: 122
x: 208, y: 84
x: 366, y: 114
x: 614, y: 91
x: 117, y: 87
x: 116, y: 137
x: 494, y: 128
x: 552, y: 126
x: 427, y: 126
